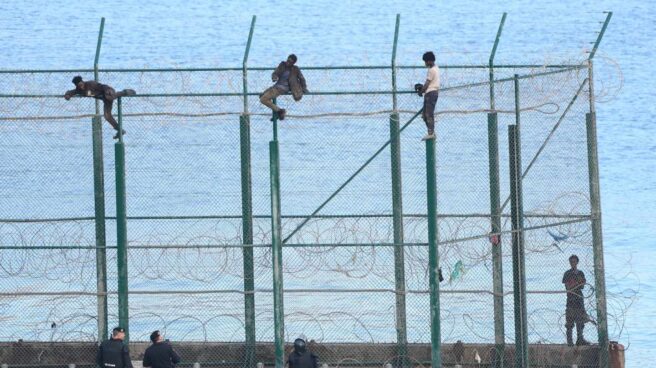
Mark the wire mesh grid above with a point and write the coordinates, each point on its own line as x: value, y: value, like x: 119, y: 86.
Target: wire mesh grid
x: 184, y: 203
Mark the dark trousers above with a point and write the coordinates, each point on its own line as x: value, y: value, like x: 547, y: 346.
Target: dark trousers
x: 575, y: 315
x: 430, y: 100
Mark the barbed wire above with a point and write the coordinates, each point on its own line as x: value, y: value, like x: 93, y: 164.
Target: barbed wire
x: 186, y: 275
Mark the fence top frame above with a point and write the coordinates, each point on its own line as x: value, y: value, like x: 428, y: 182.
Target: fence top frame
x: 239, y: 69
x: 555, y: 70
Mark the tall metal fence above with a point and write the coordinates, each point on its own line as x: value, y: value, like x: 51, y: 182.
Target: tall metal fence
x: 210, y: 213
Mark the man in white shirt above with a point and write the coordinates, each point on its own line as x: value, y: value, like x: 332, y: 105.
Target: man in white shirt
x: 430, y: 91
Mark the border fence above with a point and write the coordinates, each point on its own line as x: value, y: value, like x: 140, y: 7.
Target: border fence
x: 226, y: 228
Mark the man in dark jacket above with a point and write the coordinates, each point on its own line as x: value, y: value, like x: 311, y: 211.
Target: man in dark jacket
x: 101, y: 92
x: 575, y: 314
x: 160, y: 354
x: 301, y: 358
x: 113, y: 353
x: 288, y: 77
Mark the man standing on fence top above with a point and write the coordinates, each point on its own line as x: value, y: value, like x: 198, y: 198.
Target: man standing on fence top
x: 102, y: 92
x: 575, y: 313
x: 287, y: 76
x: 113, y: 353
x: 429, y: 90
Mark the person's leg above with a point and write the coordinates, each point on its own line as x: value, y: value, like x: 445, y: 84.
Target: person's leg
x: 423, y: 112
x: 107, y: 107
x: 267, y: 98
x: 581, y: 318
x: 569, y: 325
x: 126, y: 92
x: 428, y: 116
x: 430, y: 111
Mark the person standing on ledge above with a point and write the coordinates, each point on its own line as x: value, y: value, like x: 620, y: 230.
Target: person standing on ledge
x: 575, y: 313
x: 429, y: 90
x: 113, y: 353
x: 287, y: 77
x: 101, y: 92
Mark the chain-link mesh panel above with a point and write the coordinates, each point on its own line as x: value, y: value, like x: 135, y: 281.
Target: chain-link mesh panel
x: 184, y: 205
x: 47, y: 267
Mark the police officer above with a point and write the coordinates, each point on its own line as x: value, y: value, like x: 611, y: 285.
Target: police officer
x: 160, y: 354
x: 301, y: 358
x: 113, y: 353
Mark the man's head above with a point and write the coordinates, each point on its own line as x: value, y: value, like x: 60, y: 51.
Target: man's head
x: 573, y: 261
x: 291, y: 60
x: 77, y: 81
x: 429, y: 58
x: 156, y: 337
x: 299, y: 346
x: 118, y: 333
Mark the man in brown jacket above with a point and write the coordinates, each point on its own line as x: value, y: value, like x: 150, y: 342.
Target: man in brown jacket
x: 287, y: 77
x: 102, y: 92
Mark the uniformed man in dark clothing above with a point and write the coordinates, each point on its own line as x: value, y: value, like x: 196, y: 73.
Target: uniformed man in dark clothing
x: 101, y: 92
x: 301, y: 358
x: 113, y: 353
x: 575, y: 313
x: 160, y: 354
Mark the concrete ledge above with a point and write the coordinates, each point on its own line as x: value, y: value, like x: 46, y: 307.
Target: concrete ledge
x: 231, y: 355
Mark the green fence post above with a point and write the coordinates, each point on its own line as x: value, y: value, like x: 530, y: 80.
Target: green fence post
x: 276, y: 245
x: 495, y: 212
x: 517, y: 216
x: 597, y: 235
x: 519, y: 278
x: 497, y: 249
x: 397, y: 216
x: 99, y: 205
x: 247, y: 214
x: 247, y: 239
x: 276, y: 237
x: 433, y: 254
x: 121, y: 228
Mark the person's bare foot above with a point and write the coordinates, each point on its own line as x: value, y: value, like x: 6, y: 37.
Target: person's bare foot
x: 117, y: 134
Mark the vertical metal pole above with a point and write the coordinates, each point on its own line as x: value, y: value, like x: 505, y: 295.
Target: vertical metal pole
x: 597, y: 235
x: 276, y: 235
x: 245, y: 63
x: 397, y: 216
x: 517, y: 216
x: 497, y: 250
x: 99, y: 205
x: 121, y: 228
x: 433, y: 254
x: 274, y: 119
x: 492, y: 55
x: 247, y: 215
x: 247, y: 240
x: 396, y: 40
x: 495, y: 212
x: 600, y: 36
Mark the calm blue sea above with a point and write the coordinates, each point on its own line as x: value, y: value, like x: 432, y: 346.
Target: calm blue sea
x: 41, y: 34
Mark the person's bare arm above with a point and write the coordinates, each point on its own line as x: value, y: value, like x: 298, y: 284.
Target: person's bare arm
x: 276, y: 73
x: 425, y: 87
x: 70, y: 94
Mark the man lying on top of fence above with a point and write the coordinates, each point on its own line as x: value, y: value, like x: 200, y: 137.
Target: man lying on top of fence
x: 102, y: 92
x: 287, y: 76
